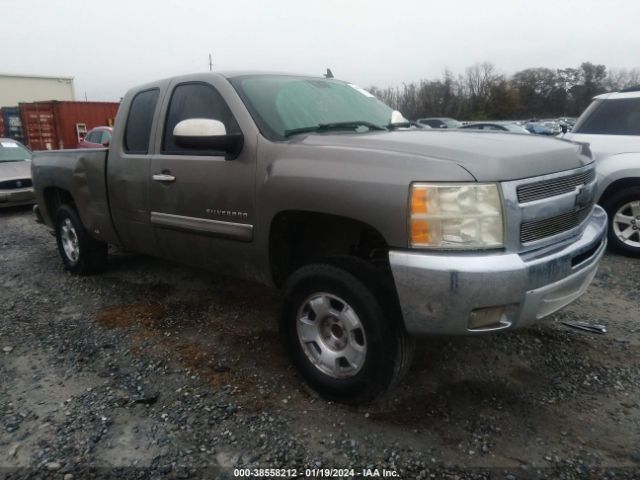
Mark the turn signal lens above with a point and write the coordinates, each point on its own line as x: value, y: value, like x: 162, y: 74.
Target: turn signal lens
x: 455, y: 216
x: 419, y: 200
x: 420, y: 231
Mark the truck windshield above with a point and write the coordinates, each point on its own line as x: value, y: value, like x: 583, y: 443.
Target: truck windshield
x: 11, y: 151
x: 611, y: 117
x: 284, y: 105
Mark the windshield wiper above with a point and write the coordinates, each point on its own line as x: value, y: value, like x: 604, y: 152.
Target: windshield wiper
x: 322, y: 127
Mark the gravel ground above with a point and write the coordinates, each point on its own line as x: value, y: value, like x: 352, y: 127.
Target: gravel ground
x: 153, y: 370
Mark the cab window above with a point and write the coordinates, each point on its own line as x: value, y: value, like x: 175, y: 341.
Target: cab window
x: 138, y: 130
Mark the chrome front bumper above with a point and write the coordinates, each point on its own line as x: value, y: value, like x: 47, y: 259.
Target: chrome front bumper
x: 22, y: 196
x: 441, y: 292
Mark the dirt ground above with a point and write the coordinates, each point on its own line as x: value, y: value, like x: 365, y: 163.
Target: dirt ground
x: 154, y: 370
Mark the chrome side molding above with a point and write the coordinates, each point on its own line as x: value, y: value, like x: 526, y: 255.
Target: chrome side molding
x: 242, y: 232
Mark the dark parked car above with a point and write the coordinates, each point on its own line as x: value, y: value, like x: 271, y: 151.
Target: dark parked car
x: 15, y: 174
x: 493, y: 126
x: 98, y: 137
x: 440, y: 122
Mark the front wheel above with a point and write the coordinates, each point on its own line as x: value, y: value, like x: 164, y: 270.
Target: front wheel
x: 342, y: 334
x: 80, y: 253
x: 623, y: 209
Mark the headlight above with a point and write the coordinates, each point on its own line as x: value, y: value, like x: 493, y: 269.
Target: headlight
x: 455, y: 216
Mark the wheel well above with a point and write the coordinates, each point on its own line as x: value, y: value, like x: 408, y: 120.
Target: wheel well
x: 55, y: 197
x: 617, y: 186
x: 297, y: 238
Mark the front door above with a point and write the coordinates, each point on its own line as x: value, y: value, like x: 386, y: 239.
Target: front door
x: 202, y: 205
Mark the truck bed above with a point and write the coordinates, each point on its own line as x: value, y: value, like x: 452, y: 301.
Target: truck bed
x: 82, y: 173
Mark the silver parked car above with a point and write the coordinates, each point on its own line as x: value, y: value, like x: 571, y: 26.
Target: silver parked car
x: 15, y: 174
x: 496, y: 127
x: 611, y: 126
x: 439, y: 122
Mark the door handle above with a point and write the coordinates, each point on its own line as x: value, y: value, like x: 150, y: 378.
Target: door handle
x: 163, y: 177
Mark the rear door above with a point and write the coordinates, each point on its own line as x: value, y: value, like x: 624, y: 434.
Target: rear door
x: 128, y: 171
x: 202, y: 205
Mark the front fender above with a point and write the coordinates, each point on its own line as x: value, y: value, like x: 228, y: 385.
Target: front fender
x: 616, y: 167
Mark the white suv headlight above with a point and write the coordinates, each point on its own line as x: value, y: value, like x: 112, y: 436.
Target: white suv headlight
x: 466, y: 215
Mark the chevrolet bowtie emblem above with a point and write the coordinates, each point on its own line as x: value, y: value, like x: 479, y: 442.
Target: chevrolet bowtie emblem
x: 583, y: 198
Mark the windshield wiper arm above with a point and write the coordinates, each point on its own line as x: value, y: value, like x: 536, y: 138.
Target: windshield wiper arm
x: 295, y: 131
x: 351, y: 125
x: 393, y: 126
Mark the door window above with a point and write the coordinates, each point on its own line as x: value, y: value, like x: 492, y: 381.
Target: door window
x: 138, y: 130
x: 195, y: 100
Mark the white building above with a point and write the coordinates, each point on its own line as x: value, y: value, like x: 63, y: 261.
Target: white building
x: 15, y: 89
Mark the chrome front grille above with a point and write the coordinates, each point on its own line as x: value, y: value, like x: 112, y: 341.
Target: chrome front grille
x: 533, y: 230
x: 15, y: 184
x: 546, y: 209
x: 553, y: 187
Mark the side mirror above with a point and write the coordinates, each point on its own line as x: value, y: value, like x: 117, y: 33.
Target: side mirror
x: 397, y: 117
x: 105, y: 143
x: 563, y: 128
x: 207, y: 135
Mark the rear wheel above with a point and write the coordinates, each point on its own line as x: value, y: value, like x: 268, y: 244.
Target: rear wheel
x: 623, y: 208
x: 80, y: 253
x: 342, y: 334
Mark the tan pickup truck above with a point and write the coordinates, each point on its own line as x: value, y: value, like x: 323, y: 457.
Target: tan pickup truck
x: 376, y: 231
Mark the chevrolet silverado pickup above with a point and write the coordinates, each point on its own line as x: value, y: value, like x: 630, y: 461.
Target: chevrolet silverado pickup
x: 376, y: 231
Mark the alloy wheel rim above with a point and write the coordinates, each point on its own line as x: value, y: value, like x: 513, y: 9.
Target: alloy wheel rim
x: 626, y: 224
x: 69, y: 239
x: 331, y: 335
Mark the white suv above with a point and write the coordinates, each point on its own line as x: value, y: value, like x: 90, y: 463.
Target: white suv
x: 611, y: 126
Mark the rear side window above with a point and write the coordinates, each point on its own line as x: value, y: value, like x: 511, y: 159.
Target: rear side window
x: 138, y: 129
x: 611, y: 117
x: 195, y: 100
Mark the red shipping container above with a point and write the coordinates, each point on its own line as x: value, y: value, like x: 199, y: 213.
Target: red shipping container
x: 57, y: 125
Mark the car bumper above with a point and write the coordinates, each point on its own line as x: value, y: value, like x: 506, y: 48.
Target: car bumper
x: 21, y: 196
x: 451, y: 293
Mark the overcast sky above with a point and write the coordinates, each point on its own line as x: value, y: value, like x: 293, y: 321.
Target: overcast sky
x: 112, y: 45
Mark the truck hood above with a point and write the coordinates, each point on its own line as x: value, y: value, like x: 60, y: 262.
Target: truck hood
x: 488, y: 156
x: 15, y: 170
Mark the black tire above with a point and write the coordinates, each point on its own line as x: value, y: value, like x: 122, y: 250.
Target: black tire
x: 389, y: 350
x: 91, y: 254
x: 612, y: 205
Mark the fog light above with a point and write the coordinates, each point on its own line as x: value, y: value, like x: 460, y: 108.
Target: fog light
x: 485, y: 318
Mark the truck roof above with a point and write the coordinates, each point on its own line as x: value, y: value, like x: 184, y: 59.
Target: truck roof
x: 242, y: 73
x: 224, y: 74
x: 618, y: 95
